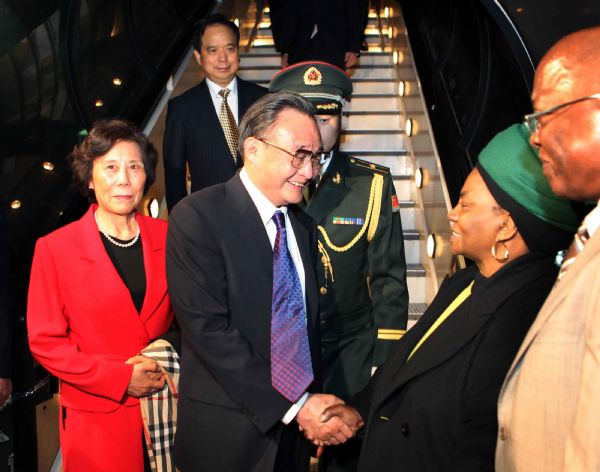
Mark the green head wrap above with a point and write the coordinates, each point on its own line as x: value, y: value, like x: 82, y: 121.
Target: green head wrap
x: 513, y: 173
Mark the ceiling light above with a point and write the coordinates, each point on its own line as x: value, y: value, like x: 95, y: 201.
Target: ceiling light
x: 15, y: 204
x: 48, y: 166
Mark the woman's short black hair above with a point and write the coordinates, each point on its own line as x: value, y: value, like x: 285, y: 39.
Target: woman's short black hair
x: 100, y: 140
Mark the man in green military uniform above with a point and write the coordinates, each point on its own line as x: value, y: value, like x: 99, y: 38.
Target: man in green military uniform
x: 363, y: 301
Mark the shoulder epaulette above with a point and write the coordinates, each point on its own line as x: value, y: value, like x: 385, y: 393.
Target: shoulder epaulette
x: 369, y: 165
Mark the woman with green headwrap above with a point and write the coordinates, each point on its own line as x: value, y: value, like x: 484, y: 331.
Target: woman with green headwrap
x: 432, y: 406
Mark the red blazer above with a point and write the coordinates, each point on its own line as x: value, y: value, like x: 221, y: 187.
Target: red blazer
x: 81, y: 320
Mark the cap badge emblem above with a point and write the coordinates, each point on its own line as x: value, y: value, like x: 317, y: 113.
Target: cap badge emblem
x: 312, y: 76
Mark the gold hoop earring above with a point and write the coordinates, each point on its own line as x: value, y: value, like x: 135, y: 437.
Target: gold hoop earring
x: 506, y: 253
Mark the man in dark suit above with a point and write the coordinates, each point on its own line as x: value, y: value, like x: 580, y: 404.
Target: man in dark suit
x: 363, y: 302
x: 316, y: 30
x: 223, y: 246
x: 195, y: 134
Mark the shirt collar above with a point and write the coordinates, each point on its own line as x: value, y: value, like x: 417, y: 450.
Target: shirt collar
x: 215, y: 89
x: 592, y: 220
x: 264, y: 206
x: 325, y: 161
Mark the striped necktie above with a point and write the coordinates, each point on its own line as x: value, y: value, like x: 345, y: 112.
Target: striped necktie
x: 579, y: 240
x: 229, y: 125
x: 291, y: 366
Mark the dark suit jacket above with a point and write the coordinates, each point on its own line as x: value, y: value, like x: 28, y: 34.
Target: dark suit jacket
x: 220, y: 272
x: 339, y: 24
x: 81, y: 320
x: 368, y: 291
x: 194, y: 135
x: 437, y: 411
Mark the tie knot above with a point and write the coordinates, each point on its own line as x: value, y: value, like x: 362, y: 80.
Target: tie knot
x: 279, y: 219
x: 224, y: 92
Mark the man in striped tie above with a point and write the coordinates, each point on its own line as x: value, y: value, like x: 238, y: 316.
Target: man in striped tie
x: 201, y: 128
x: 549, y: 405
x: 241, y: 274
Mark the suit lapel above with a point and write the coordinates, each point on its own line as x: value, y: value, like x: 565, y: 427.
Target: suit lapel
x: 466, y: 322
x: 456, y: 331
x: 559, y: 292
x: 253, y: 246
x: 243, y: 99
x: 328, y: 194
x: 303, y: 240
x: 101, y: 279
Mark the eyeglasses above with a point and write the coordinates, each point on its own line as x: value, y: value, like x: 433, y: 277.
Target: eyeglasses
x: 532, y: 121
x: 300, y: 157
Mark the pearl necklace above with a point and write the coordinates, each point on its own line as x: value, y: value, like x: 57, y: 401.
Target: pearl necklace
x: 111, y: 239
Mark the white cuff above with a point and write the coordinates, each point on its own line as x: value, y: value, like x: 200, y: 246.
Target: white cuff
x: 294, y: 409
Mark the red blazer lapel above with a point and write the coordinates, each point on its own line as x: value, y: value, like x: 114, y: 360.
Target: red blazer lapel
x: 101, y: 280
x: 155, y: 267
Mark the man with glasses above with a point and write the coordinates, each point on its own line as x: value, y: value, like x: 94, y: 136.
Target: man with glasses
x: 240, y: 268
x: 550, y: 402
x: 363, y: 297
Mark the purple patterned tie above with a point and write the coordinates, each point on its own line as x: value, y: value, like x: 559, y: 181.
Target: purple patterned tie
x: 291, y: 367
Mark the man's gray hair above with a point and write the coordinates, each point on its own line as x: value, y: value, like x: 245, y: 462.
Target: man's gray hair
x: 264, y: 112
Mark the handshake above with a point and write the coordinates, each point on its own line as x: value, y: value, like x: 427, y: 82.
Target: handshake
x: 325, y: 420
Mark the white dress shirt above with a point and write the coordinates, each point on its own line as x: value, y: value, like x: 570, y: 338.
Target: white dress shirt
x: 232, y: 98
x: 266, y: 211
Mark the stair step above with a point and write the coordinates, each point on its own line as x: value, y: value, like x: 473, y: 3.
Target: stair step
x: 374, y: 86
x: 381, y: 72
x: 260, y: 59
x: 415, y: 270
x: 373, y: 102
x: 367, y: 140
x: 262, y: 48
x: 379, y: 119
x: 411, y: 235
x: 416, y: 309
x: 416, y: 292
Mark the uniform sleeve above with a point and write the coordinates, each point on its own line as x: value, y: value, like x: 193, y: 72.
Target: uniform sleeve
x: 198, y: 290
x: 48, y: 331
x: 174, y: 156
x: 387, y: 275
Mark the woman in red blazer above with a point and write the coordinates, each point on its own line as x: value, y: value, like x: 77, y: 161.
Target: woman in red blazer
x: 97, y: 297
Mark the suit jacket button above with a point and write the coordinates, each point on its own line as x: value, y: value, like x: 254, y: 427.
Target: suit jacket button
x: 404, y: 429
x: 503, y: 434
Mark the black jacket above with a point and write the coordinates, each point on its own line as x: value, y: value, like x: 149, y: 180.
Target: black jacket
x: 193, y: 135
x: 438, y: 410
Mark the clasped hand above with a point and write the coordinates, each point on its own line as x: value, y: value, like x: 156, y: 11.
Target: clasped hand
x: 146, y: 378
x: 325, y: 420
